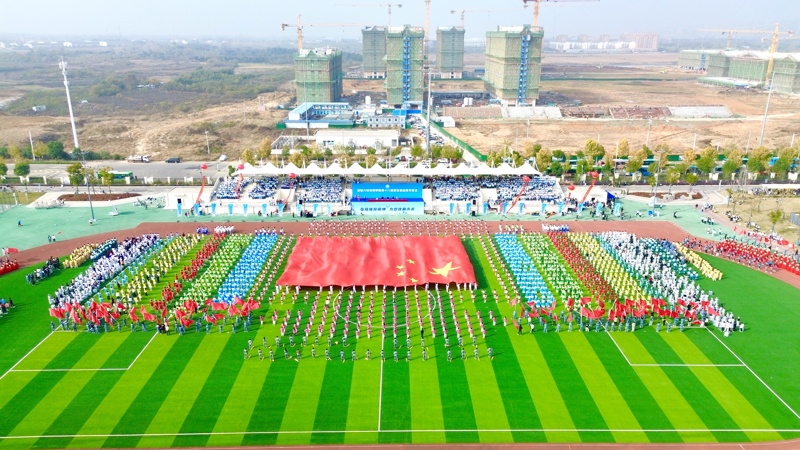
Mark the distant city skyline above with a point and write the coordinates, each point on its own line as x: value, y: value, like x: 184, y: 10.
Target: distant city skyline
x: 181, y: 19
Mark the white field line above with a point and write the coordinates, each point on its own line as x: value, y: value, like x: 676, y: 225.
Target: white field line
x: 669, y: 365
x: 26, y: 355
x: 754, y: 374
x: 104, y: 369
x: 508, y: 430
x: 140, y: 353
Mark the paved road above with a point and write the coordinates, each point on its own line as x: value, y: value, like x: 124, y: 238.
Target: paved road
x: 157, y: 169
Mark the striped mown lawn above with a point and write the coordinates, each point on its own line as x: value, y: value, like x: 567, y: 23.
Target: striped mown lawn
x: 139, y: 389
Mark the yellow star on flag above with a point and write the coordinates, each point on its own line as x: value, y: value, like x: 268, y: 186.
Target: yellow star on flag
x: 444, y: 271
x: 413, y: 280
x: 401, y: 273
x: 400, y: 267
x: 411, y: 261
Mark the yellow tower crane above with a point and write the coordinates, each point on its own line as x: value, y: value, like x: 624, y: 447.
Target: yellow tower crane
x: 776, y: 34
x: 300, y: 27
x: 537, y: 2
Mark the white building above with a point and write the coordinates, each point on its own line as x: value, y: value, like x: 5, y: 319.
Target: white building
x: 329, y: 138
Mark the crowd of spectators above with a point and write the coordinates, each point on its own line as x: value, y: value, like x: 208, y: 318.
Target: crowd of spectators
x: 455, y: 190
x: 227, y: 188
x: 321, y: 191
x: 50, y: 266
x: 537, y: 189
x: 264, y: 188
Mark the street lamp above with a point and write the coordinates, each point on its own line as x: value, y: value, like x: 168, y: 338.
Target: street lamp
x: 208, y: 147
x: 88, y: 186
x: 647, y: 140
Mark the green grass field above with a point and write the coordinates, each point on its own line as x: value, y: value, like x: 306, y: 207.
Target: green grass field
x: 123, y: 389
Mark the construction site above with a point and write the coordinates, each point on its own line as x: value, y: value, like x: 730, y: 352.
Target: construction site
x: 745, y: 69
x: 404, y: 64
x: 514, y: 63
x: 318, y: 75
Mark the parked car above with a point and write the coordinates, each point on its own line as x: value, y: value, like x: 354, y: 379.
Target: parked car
x: 174, y: 159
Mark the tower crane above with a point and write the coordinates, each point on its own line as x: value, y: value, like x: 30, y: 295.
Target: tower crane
x: 464, y: 11
x: 300, y: 27
x: 381, y: 5
x: 427, y: 26
x: 730, y: 33
x: 773, y: 48
x: 536, y: 7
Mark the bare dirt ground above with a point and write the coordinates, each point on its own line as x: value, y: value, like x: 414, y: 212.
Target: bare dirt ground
x: 235, y: 126
x: 570, y: 134
x: 756, y: 209
x: 232, y: 128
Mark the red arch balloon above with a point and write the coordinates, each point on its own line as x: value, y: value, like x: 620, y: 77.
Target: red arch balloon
x: 203, y: 166
x: 241, y: 166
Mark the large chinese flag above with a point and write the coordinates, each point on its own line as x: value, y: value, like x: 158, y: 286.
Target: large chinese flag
x: 375, y: 261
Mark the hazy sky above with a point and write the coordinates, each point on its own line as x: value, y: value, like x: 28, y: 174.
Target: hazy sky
x: 261, y: 18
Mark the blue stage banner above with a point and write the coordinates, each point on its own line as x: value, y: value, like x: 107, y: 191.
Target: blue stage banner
x: 180, y: 209
x: 263, y: 209
x: 230, y: 209
x: 387, y: 190
x: 213, y: 209
x: 244, y: 209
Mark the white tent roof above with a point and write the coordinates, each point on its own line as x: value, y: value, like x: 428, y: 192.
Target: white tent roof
x: 355, y: 169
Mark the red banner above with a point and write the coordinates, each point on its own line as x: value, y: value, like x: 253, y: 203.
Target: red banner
x: 373, y: 261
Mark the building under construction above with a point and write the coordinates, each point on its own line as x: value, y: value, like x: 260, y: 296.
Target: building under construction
x: 404, y: 59
x: 373, y: 40
x: 450, y: 52
x: 318, y: 75
x: 744, y: 68
x: 514, y: 63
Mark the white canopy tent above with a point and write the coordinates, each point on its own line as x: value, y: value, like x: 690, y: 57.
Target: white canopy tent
x: 440, y: 170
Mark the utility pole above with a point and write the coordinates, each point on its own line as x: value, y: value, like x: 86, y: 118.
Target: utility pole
x: 766, y: 111
x: 430, y: 122
x: 208, y: 146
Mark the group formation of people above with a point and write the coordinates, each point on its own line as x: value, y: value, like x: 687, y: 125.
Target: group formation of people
x: 660, y: 274
x: 241, y: 278
x: 8, y: 265
x: 555, y: 227
x: 321, y: 191
x: 336, y: 227
x: 704, y: 266
x: 79, y: 256
x: 88, y: 283
x: 531, y: 283
x: 756, y: 257
x: 435, y: 227
x: 564, y: 284
x: 50, y: 266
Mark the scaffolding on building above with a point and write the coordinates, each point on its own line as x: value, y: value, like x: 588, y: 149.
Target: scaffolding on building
x: 514, y: 63
x: 404, y: 60
x: 318, y: 75
x: 450, y: 52
x: 374, y: 52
